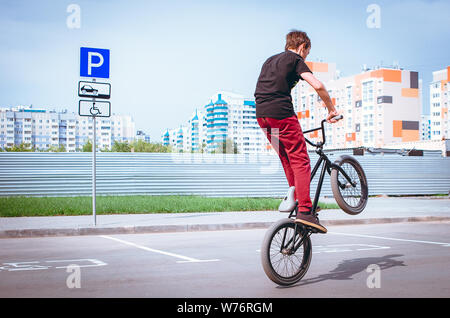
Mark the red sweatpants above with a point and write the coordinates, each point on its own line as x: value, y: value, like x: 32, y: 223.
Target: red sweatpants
x: 286, y: 137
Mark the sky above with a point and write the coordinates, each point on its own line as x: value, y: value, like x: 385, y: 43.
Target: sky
x: 169, y: 57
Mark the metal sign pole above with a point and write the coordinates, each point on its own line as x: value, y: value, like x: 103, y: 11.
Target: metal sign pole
x: 94, y: 163
x: 97, y: 69
x: 94, y: 151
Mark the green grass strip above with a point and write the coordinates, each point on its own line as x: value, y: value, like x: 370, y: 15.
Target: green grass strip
x: 82, y: 205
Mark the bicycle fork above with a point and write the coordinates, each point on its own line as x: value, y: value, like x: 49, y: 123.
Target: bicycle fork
x: 292, y: 241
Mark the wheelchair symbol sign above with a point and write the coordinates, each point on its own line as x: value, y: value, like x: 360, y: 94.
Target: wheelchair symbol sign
x: 94, y: 108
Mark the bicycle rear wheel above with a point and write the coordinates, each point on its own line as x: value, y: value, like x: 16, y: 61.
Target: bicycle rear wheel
x: 286, y: 252
x: 350, y: 198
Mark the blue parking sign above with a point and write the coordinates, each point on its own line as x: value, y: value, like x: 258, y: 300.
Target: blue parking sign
x: 94, y: 62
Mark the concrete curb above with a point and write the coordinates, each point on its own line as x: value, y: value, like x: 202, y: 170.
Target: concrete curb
x: 24, y: 233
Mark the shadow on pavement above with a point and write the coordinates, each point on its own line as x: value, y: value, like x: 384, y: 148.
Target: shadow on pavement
x: 347, y: 268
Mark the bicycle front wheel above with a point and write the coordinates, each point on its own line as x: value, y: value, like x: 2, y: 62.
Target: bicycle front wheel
x: 286, y: 252
x: 350, y: 196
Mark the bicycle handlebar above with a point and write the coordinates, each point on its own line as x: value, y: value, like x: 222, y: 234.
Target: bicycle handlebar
x: 338, y: 117
x: 321, y: 143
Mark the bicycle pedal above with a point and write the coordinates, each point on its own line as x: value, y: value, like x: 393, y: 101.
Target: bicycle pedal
x: 312, y: 229
x: 307, y: 228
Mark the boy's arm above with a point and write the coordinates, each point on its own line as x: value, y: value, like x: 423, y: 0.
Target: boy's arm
x: 323, y: 94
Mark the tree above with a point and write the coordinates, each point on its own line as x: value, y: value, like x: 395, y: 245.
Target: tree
x: 203, y: 148
x: 228, y: 146
x: 23, y: 147
x: 105, y: 149
x: 87, y: 147
x: 53, y: 148
x: 136, y: 146
x: 121, y: 146
x: 142, y: 146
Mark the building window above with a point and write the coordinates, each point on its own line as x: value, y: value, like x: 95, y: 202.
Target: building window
x: 349, y: 91
x: 367, y: 91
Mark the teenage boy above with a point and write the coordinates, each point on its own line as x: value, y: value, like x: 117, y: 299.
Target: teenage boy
x: 275, y: 115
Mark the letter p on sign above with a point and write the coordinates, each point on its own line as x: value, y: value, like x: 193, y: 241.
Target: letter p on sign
x: 94, y: 62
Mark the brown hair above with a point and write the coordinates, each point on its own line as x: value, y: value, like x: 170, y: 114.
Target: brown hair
x: 295, y: 38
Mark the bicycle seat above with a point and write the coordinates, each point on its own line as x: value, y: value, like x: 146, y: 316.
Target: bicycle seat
x: 289, y: 203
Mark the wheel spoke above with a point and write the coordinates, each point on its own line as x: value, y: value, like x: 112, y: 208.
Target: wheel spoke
x: 286, y: 263
x: 351, y: 195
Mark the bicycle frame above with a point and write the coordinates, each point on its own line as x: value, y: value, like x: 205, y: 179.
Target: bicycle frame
x: 327, y: 166
x: 300, y: 237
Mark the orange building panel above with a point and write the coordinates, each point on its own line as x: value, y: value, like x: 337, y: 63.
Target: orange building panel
x: 350, y: 137
x: 397, y: 128
x: 448, y: 74
x: 410, y: 92
x: 392, y: 76
x: 313, y: 134
x: 320, y: 67
x: 377, y: 73
x: 410, y: 135
x: 387, y: 75
x: 317, y: 66
x: 303, y: 114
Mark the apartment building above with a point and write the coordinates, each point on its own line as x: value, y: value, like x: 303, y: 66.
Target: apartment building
x: 169, y: 138
x: 425, y: 127
x: 141, y: 135
x: 178, y: 138
x: 379, y: 106
x: 243, y: 129
x: 33, y: 127
x: 43, y: 129
x: 197, y: 127
x: 226, y: 117
x: 439, y: 103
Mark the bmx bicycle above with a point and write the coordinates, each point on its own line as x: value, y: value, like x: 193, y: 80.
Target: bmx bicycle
x: 286, y: 249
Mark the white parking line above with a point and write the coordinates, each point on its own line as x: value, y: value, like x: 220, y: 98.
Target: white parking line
x: 339, y: 248
x: 34, y: 265
x: 185, y: 259
x: 336, y: 248
x: 391, y: 238
x: 95, y: 262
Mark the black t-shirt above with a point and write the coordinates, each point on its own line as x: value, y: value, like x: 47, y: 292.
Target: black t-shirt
x: 279, y: 74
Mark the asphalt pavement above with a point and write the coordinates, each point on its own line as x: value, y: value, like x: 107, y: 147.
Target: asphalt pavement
x: 372, y: 260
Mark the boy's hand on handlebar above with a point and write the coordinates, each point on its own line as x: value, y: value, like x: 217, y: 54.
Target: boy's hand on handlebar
x: 330, y: 116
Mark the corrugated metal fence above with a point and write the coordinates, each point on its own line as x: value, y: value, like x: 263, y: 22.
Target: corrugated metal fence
x: 61, y: 174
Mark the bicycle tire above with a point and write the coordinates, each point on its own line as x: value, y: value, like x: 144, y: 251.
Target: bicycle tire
x: 352, y: 201
x: 267, y: 260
